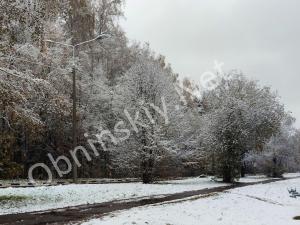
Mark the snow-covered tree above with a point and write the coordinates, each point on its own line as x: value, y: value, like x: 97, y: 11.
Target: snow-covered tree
x: 148, y: 96
x: 243, y: 117
x: 280, y: 154
x: 118, y: 82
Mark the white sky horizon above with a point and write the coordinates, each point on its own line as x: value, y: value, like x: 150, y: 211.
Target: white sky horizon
x: 259, y: 38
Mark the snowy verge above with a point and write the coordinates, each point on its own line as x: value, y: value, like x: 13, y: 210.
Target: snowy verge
x: 53, y: 197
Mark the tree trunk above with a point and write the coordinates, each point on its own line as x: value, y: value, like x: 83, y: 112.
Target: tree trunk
x: 147, y: 178
x: 243, y: 170
x: 147, y: 170
x: 227, y: 175
x: 227, y: 178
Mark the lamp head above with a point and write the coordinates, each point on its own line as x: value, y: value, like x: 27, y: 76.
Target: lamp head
x: 103, y: 36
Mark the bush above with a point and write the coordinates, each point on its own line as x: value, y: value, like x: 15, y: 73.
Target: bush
x: 10, y: 170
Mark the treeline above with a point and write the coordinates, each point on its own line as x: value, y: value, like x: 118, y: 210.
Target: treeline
x: 150, y: 126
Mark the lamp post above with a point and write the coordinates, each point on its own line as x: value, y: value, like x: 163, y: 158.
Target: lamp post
x: 74, y: 94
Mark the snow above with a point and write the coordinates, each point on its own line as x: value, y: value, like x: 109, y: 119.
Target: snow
x: 251, y: 179
x: 44, y: 198
x: 253, y: 205
x: 291, y: 175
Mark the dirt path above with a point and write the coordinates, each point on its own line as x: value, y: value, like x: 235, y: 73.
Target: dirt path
x: 79, y: 213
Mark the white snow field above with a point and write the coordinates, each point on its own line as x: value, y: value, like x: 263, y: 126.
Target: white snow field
x: 265, y: 204
x: 44, y: 198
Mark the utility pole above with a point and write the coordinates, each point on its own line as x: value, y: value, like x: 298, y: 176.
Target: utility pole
x: 74, y: 117
x: 74, y: 97
x: 74, y: 129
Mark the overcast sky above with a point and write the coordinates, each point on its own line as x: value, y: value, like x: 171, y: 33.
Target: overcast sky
x: 260, y: 38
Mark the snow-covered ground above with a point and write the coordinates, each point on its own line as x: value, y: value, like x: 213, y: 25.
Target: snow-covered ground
x: 44, y: 198
x: 253, y: 179
x: 268, y: 204
x: 291, y: 175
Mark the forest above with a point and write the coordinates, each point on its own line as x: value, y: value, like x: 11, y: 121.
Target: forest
x: 136, y: 117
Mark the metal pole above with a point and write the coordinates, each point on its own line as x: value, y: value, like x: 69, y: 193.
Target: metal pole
x: 74, y: 97
x: 74, y: 129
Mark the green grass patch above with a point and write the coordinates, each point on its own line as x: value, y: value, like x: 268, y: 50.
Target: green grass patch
x: 12, y: 198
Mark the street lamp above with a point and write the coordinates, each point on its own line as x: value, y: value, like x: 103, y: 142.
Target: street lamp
x: 100, y: 37
x: 74, y: 97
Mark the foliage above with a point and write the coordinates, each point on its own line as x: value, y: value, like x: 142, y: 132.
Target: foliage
x: 243, y: 116
x: 237, y: 125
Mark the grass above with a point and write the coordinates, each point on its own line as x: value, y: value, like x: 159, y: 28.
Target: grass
x: 12, y: 198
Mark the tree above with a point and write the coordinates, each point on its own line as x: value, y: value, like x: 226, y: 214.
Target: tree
x: 243, y: 117
x: 146, y: 85
x: 280, y: 154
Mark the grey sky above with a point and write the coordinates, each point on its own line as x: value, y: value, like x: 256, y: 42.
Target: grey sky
x: 259, y: 37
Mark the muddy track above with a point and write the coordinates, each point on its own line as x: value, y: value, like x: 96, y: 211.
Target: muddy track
x: 83, y: 212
